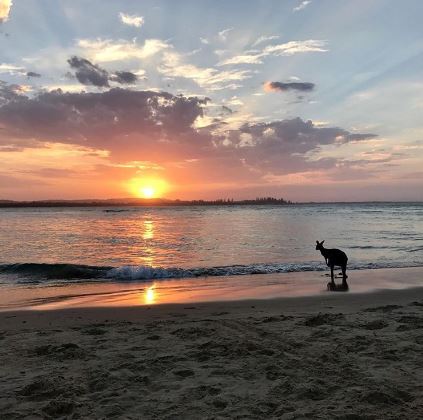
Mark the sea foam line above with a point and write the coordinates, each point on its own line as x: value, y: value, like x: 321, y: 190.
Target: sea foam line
x: 40, y: 273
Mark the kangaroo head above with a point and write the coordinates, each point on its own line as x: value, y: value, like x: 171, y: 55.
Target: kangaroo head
x: 319, y: 245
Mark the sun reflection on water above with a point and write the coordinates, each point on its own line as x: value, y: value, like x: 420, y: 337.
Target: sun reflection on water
x: 148, y: 232
x: 150, y: 295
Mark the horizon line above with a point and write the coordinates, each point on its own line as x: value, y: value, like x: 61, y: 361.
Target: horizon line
x: 128, y: 201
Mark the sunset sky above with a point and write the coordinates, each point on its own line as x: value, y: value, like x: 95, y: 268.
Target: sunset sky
x: 308, y: 100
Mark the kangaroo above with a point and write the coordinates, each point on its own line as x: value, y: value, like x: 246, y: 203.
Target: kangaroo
x: 334, y: 257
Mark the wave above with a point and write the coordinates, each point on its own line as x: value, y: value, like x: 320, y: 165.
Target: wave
x: 54, y: 271
x: 33, y: 273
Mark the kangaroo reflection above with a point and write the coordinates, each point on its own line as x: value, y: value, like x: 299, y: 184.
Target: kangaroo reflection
x: 333, y: 287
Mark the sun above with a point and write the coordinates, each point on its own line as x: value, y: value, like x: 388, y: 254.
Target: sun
x: 148, y: 192
x: 147, y: 187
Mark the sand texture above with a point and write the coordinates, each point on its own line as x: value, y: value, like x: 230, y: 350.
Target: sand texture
x: 347, y: 357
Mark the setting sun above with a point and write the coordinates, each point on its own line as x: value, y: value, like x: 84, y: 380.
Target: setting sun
x: 148, y: 187
x: 148, y: 192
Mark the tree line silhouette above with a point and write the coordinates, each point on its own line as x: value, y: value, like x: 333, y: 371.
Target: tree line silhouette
x: 145, y: 202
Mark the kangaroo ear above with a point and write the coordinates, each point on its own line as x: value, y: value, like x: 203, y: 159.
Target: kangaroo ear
x: 317, y: 242
x: 321, y: 243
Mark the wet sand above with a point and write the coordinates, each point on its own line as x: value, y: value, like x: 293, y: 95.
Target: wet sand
x: 201, y: 289
x: 337, y: 355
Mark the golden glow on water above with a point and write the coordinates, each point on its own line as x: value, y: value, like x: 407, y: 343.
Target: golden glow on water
x: 147, y: 233
x: 150, y: 295
x: 148, y: 230
x: 148, y: 187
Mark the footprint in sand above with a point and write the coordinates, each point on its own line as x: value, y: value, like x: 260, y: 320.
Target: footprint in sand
x: 220, y: 404
x: 59, y: 408
x: 377, y: 324
x: 272, y: 373
x: 44, y: 387
x: 386, y: 308
x: 93, y: 331
x: 268, y: 319
x: 204, y: 391
x: 410, y: 322
x: 60, y: 352
x: 183, y: 373
x: 322, y: 318
x: 153, y: 337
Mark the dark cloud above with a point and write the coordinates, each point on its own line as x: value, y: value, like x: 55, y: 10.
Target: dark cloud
x: 88, y: 73
x: 33, y: 74
x: 8, y: 92
x: 124, y: 77
x: 94, y: 118
x: 159, y: 127
x: 283, y: 87
x: 284, y: 146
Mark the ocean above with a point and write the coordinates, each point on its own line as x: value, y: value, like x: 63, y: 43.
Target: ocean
x: 45, y: 246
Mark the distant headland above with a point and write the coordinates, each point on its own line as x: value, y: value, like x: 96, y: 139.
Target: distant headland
x: 143, y: 202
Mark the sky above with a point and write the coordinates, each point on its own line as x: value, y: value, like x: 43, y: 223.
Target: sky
x: 315, y: 100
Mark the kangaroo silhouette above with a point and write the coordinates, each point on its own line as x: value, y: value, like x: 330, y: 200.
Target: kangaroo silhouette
x: 334, y: 257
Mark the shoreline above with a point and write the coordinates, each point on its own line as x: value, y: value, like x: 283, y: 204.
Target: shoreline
x: 340, y: 356
x: 297, y: 305
x: 199, y: 289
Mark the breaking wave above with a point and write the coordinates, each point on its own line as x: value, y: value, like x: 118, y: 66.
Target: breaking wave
x: 34, y: 273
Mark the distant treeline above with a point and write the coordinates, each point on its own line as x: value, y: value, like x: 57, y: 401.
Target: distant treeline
x: 144, y: 202
x: 231, y: 201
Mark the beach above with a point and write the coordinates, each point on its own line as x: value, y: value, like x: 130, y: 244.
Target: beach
x: 210, y: 313
x: 211, y: 210
x: 332, y: 355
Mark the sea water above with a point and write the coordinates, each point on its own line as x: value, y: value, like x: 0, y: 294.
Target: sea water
x: 123, y: 244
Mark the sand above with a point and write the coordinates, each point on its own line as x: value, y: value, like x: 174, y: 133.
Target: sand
x: 337, y: 356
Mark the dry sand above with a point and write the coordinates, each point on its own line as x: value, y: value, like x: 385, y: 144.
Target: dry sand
x: 337, y: 356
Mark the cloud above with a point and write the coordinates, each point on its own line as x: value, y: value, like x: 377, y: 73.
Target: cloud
x: 160, y: 127
x: 131, y: 20
x: 32, y: 74
x: 107, y: 50
x: 11, y: 68
x: 207, y: 77
x: 242, y: 59
x: 9, y: 92
x: 283, y: 87
x: 5, y: 6
x: 264, y: 38
x: 285, y: 49
x: 124, y: 77
x: 96, y: 118
x: 296, y: 47
x: 282, y: 147
x: 302, y: 5
x: 223, y: 35
x: 88, y: 73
